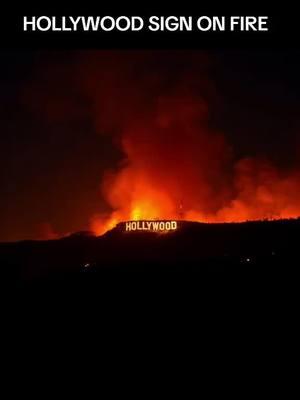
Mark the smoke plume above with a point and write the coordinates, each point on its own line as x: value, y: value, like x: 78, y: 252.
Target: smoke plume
x: 158, y: 109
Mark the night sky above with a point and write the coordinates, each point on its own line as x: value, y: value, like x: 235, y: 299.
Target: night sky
x: 61, y: 113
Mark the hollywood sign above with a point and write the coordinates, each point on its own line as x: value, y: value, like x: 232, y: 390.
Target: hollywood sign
x: 152, y: 226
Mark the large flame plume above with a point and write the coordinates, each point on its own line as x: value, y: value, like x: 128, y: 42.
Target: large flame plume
x: 158, y: 111
x: 176, y: 166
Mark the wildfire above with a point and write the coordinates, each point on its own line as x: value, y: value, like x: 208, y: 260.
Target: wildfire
x: 161, y: 121
x: 170, y: 179
x: 176, y: 167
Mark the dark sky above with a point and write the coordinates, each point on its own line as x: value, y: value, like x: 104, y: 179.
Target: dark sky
x: 54, y: 147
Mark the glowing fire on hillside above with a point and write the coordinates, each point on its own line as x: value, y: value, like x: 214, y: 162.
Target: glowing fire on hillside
x: 175, y: 168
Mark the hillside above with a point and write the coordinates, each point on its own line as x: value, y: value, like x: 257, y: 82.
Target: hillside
x: 194, y: 247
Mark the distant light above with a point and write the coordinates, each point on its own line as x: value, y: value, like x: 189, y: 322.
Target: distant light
x: 86, y: 265
x: 245, y: 260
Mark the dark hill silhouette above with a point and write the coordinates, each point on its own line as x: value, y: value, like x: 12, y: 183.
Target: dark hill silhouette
x: 235, y: 249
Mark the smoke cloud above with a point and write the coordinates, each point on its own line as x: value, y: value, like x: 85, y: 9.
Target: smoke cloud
x: 158, y: 110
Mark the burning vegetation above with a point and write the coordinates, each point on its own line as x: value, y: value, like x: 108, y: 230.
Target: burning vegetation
x: 158, y: 109
x: 175, y: 166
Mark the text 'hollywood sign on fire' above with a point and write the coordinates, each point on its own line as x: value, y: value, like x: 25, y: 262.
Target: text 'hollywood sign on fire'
x: 153, y: 226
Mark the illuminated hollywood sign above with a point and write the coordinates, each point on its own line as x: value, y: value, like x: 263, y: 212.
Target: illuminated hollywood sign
x: 152, y: 226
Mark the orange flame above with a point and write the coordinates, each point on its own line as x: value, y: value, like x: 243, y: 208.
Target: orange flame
x: 178, y: 169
